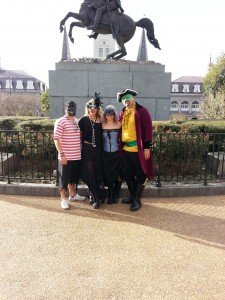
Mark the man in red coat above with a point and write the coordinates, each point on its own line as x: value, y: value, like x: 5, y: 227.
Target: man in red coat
x: 136, y: 144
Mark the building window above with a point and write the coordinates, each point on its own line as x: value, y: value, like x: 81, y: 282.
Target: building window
x: 19, y: 84
x: 184, y: 106
x: 175, y: 88
x: 30, y: 85
x: 195, y: 106
x: 174, y: 106
x: 8, y: 84
x: 197, y: 88
x: 186, y: 88
x: 106, y: 51
x: 100, y: 52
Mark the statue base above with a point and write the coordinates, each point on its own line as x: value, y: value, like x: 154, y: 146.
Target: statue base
x: 78, y: 81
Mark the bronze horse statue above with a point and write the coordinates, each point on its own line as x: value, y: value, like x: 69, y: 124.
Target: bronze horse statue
x: 121, y: 26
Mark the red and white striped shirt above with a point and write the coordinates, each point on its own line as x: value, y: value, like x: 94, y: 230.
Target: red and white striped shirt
x: 68, y: 132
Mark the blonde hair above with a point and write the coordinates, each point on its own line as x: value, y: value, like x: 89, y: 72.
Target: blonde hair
x: 99, y: 111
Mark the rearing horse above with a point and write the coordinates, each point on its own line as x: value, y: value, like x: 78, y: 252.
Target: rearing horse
x: 121, y: 26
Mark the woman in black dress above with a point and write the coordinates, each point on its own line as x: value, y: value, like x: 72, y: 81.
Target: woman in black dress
x: 111, y: 157
x: 91, y: 137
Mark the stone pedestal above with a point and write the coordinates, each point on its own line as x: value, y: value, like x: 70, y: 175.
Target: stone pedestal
x: 7, y: 163
x: 78, y: 81
x: 216, y: 163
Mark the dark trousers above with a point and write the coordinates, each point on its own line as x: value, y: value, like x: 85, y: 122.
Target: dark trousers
x: 131, y: 167
x: 68, y: 173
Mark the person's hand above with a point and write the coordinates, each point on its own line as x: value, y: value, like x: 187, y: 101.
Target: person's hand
x: 147, y: 154
x: 63, y: 160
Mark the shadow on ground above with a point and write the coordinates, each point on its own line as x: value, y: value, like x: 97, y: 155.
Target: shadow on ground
x: 198, y: 219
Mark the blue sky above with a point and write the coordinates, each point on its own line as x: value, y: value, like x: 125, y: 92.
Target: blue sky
x: 188, y: 33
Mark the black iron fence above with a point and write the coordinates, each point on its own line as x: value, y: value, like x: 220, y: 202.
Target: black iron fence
x: 189, y: 157
x: 30, y: 156
x: 27, y: 156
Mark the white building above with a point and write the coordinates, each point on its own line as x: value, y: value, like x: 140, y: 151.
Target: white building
x: 103, y: 45
x: 186, y: 96
x: 19, y: 93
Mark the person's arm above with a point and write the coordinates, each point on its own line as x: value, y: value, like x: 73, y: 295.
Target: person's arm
x: 58, y: 130
x: 62, y: 157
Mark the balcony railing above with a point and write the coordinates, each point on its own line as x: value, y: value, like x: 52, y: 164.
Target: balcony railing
x: 30, y: 156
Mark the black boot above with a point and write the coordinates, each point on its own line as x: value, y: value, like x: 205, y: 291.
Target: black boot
x: 116, y: 191
x: 110, y: 195
x: 91, y: 198
x: 136, y: 205
x: 131, y: 184
x: 95, y: 199
x: 96, y: 203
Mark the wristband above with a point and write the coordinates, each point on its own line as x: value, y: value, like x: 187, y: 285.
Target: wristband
x: 148, y: 145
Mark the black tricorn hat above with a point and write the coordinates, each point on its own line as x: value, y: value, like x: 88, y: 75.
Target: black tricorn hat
x: 125, y: 92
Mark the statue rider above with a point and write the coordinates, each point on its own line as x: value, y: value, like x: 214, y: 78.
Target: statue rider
x: 104, y: 6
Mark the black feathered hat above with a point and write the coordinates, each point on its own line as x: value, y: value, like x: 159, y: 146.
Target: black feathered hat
x: 97, y: 100
x: 124, y: 93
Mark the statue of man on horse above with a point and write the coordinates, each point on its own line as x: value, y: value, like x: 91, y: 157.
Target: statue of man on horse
x: 107, y: 17
x: 102, y: 6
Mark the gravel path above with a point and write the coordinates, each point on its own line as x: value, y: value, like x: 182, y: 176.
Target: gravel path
x: 173, y: 248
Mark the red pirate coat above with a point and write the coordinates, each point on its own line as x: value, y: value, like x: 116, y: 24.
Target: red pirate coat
x: 144, y: 133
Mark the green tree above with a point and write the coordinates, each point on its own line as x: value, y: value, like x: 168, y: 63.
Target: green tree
x: 214, y: 81
x: 214, y: 107
x: 45, y: 101
x: 214, y: 90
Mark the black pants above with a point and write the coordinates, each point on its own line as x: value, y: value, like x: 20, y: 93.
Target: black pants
x: 131, y: 167
x: 68, y: 173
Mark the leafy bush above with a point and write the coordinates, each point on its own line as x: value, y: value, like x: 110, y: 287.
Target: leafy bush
x: 7, y: 123
x: 26, y: 123
x: 193, y: 126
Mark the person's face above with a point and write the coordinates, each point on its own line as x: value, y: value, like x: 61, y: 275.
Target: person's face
x: 109, y: 114
x: 128, y: 101
x: 91, y: 107
x: 71, y: 111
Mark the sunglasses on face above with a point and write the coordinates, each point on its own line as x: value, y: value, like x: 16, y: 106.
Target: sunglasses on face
x: 91, y: 105
x: 109, y: 113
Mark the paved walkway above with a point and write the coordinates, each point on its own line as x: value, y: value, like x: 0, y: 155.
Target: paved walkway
x: 173, y: 248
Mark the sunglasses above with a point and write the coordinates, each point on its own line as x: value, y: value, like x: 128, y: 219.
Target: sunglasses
x: 109, y: 113
x: 91, y: 105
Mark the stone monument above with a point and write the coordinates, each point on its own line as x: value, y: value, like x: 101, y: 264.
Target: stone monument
x: 79, y: 79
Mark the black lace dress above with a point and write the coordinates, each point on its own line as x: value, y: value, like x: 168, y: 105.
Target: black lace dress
x: 91, y: 157
x: 111, y: 156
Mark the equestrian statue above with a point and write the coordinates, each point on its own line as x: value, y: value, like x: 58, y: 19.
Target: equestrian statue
x: 107, y: 17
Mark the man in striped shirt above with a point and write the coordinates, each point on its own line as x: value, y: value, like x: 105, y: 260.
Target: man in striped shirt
x: 68, y: 143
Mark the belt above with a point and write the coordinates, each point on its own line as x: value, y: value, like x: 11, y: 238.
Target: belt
x: 131, y: 143
x: 87, y: 143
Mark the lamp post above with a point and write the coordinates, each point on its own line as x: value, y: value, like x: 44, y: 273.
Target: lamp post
x: 10, y: 80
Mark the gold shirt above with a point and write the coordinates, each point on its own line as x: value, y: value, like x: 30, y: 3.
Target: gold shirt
x: 129, y: 129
